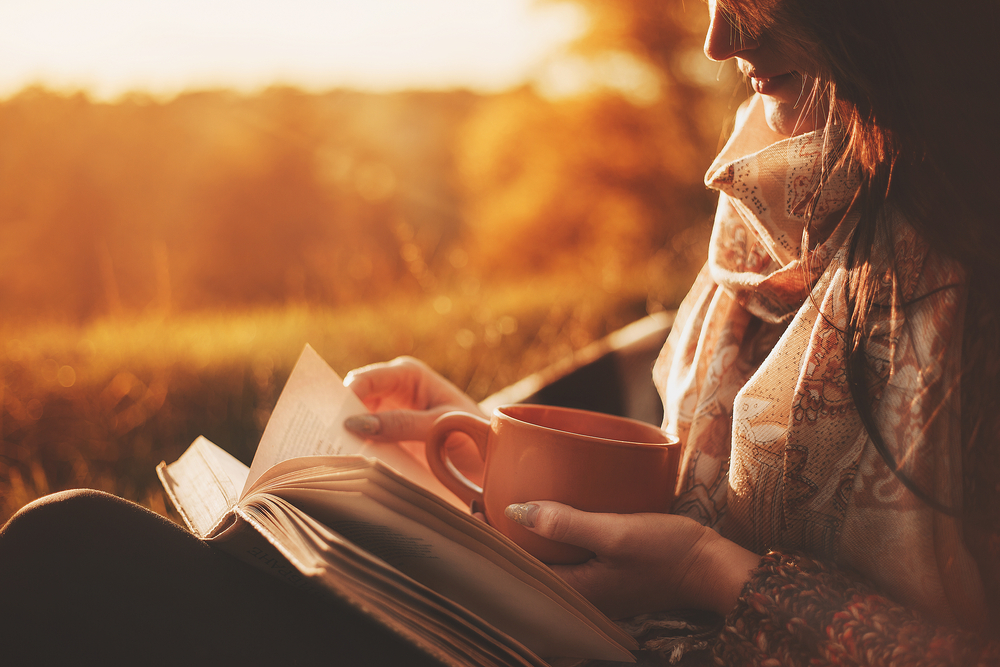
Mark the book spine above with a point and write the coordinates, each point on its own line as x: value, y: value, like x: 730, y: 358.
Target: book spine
x: 243, y: 541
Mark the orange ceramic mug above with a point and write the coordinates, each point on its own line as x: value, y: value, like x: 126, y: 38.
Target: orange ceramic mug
x: 591, y: 461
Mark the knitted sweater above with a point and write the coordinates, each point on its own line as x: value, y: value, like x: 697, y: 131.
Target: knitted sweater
x: 798, y: 611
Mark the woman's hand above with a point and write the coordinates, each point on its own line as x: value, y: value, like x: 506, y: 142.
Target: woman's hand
x: 406, y: 397
x: 644, y: 562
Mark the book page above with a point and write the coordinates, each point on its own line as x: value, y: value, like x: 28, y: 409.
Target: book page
x: 308, y: 420
x: 408, y: 499
x: 446, y: 550
x: 473, y: 535
x: 420, y: 615
x: 460, y: 574
x: 203, y: 484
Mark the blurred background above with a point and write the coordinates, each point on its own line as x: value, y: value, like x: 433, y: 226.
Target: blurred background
x: 191, y: 192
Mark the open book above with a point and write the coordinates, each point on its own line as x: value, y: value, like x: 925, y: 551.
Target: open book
x: 369, y: 523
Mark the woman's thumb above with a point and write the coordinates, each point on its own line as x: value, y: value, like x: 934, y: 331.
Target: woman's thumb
x: 392, y: 425
x: 559, y: 522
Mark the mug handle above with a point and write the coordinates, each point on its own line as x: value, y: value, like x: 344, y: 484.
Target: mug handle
x: 476, y: 428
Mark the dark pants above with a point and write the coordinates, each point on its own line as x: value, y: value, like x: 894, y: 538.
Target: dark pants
x: 88, y: 578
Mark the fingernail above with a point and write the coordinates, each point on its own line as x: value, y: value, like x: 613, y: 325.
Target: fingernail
x: 523, y: 514
x: 363, y: 424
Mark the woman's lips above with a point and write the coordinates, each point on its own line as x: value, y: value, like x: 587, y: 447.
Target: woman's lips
x: 768, y: 85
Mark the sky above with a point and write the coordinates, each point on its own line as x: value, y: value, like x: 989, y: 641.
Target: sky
x: 163, y: 47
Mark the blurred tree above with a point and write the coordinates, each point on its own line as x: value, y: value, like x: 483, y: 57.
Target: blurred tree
x: 217, y: 199
x: 598, y: 170
x: 214, y: 199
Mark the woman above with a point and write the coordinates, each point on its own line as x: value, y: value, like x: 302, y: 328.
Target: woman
x: 832, y: 373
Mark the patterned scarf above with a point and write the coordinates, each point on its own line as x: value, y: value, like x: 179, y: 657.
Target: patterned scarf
x: 753, y: 381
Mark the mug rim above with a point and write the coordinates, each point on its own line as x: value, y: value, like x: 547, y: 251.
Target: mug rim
x: 670, y: 440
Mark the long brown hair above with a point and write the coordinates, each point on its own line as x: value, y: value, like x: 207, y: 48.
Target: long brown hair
x: 913, y: 86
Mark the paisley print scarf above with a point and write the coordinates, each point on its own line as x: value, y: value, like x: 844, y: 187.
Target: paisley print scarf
x: 753, y: 381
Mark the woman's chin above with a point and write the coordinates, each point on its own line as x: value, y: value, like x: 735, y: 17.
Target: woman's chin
x: 786, y: 118
x: 787, y: 102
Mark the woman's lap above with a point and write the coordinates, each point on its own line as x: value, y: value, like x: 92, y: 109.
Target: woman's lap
x: 86, y: 575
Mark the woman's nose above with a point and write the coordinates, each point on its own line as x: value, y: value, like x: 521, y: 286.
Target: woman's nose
x: 724, y: 40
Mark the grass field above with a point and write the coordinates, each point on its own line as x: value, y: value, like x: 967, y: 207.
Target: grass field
x: 99, y: 405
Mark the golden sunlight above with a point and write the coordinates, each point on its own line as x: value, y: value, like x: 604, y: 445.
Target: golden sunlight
x: 192, y: 191
x: 165, y: 47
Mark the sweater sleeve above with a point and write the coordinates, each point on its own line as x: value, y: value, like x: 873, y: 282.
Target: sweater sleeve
x: 795, y: 610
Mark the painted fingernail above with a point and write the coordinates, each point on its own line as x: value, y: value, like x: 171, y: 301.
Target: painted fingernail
x: 363, y: 424
x: 523, y: 514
